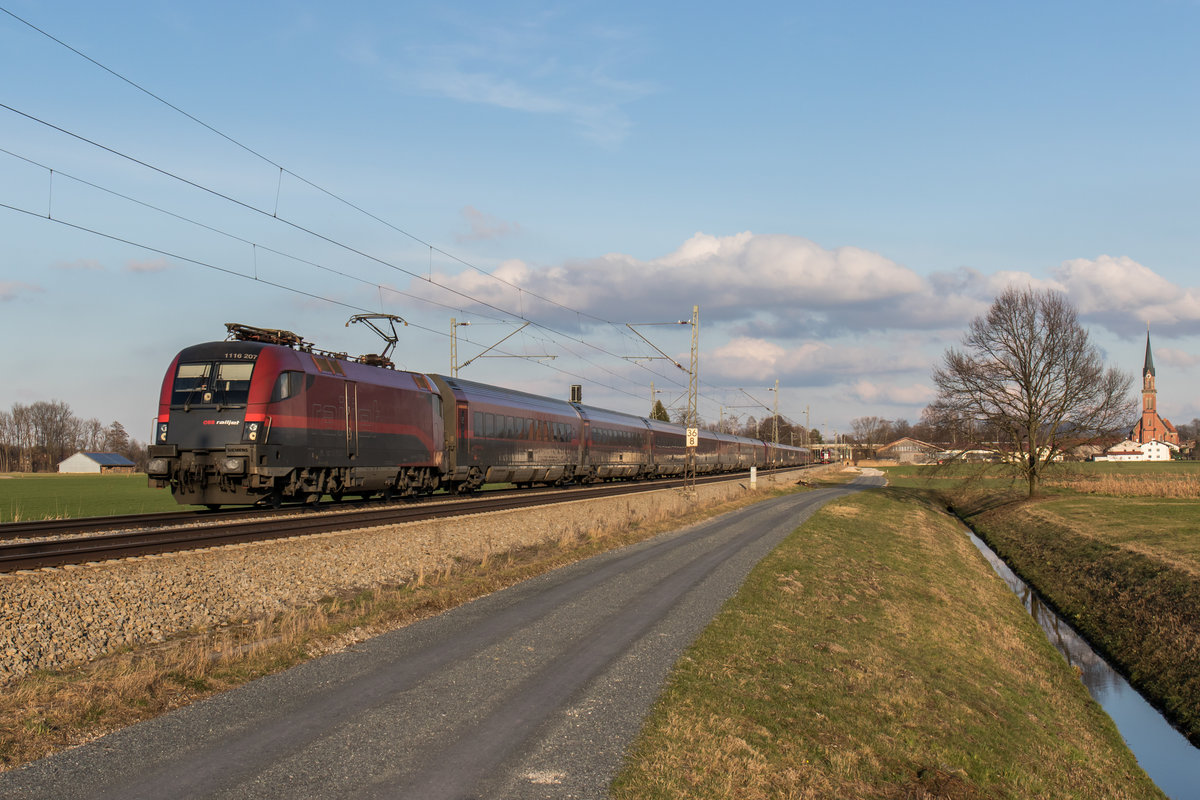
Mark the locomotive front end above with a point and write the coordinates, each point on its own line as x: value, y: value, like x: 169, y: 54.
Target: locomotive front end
x: 207, y: 432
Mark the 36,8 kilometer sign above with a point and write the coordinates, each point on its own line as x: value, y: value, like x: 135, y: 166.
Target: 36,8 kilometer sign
x: 693, y: 437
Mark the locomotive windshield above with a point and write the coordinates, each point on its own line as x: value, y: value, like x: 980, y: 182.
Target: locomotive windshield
x: 212, y: 384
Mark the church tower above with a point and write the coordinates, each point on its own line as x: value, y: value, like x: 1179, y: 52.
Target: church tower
x: 1152, y: 427
x: 1149, y: 393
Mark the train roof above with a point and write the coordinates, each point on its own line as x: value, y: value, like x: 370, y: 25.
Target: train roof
x: 486, y: 391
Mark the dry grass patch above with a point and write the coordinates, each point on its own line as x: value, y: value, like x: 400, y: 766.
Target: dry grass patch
x: 875, y: 655
x: 1151, y: 485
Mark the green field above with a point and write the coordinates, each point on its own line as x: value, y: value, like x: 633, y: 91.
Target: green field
x: 999, y: 474
x: 27, y: 497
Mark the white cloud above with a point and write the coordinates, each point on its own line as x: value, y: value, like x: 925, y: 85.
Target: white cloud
x: 11, y: 290
x: 1176, y: 358
x: 808, y: 363
x: 791, y: 280
x: 485, y: 226
x: 548, y: 64
x: 1124, y: 295
x: 874, y: 393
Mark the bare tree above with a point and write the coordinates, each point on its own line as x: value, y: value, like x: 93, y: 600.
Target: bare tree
x: 8, y: 444
x: 869, y: 430
x: 1028, y: 372
x: 91, y: 435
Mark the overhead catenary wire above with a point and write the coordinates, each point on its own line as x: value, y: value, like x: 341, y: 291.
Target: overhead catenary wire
x: 221, y: 195
x: 282, y: 169
x: 273, y: 213
x: 274, y: 284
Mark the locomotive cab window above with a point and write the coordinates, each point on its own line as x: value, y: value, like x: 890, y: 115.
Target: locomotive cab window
x: 191, y: 381
x: 233, y: 383
x: 220, y: 384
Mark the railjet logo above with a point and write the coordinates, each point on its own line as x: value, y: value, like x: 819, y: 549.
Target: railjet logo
x: 220, y: 422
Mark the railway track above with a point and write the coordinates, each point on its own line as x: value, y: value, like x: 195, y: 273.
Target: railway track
x: 191, y: 530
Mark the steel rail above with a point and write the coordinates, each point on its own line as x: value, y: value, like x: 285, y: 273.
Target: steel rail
x: 109, y: 546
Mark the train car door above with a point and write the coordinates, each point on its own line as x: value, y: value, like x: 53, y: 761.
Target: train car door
x: 351, y: 419
x: 462, y: 454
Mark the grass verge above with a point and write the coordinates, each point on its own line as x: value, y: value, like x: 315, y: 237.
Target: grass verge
x: 1115, y: 549
x: 1125, y: 572
x: 875, y: 655
x: 49, y: 711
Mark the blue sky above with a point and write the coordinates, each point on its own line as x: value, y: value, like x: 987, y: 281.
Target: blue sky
x: 840, y: 187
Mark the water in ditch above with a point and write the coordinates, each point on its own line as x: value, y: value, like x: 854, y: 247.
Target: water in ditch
x: 1163, y: 752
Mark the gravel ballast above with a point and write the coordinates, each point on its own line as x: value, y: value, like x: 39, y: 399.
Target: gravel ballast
x: 54, y: 618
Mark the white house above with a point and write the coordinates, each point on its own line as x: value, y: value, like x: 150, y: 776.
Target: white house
x: 1130, y: 450
x: 96, y: 463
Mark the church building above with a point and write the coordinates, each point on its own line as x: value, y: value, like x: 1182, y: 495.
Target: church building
x: 1151, y: 427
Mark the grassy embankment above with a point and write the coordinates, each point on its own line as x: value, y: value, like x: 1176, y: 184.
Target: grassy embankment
x: 875, y: 655
x: 1115, y: 547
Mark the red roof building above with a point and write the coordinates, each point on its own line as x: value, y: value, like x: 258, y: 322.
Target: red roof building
x: 1151, y: 427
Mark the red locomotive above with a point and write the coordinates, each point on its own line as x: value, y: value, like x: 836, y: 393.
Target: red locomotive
x: 266, y: 418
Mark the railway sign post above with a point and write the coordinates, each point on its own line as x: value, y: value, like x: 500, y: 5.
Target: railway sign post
x: 693, y: 437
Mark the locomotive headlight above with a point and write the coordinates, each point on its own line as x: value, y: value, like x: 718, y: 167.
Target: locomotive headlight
x: 161, y: 433
x: 250, y: 432
x: 233, y: 466
x: 158, y: 466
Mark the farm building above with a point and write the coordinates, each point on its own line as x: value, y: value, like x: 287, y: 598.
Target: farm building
x: 100, y: 463
x: 1130, y: 450
x: 909, y: 451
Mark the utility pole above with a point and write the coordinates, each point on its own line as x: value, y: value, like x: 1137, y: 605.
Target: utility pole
x: 693, y: 418
x: 775, y: 432
x: 454, y: 326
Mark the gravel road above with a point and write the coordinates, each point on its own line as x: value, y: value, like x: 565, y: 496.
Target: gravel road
x: 532, y: 692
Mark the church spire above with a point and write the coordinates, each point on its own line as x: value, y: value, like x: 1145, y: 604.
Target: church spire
x: 1148, y: 367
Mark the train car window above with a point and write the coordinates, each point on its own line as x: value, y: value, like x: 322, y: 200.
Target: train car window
x: 288, y: 384
x: 489, y: 425
x: 510, y: 428
x: 233, y: 382
x: 479, y: 423
x: 190, y: 381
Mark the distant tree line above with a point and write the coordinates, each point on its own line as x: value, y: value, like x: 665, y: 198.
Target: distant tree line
x: 36, y: 437
x: 1189, y: 431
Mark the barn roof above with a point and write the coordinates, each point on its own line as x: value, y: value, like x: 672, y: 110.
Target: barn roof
x: 110, y: 459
